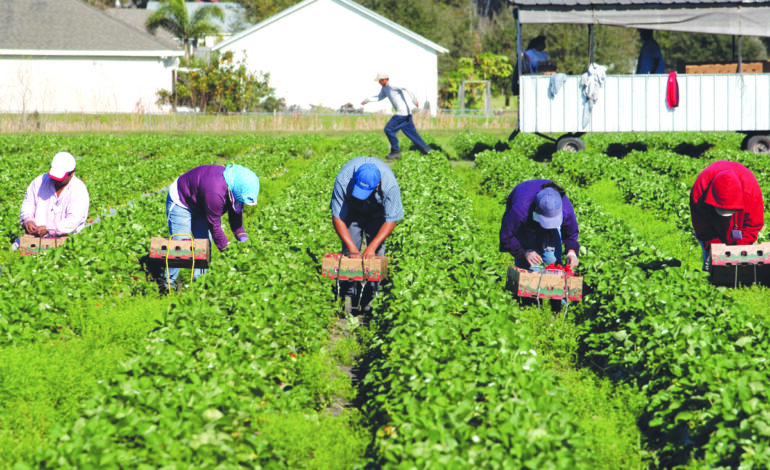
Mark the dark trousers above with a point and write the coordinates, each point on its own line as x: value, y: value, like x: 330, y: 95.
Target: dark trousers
x: 405, y: 124
x: 360, y: 225
x: 547, y: 243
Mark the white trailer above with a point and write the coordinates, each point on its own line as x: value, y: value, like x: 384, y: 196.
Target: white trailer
x: 637, y: 103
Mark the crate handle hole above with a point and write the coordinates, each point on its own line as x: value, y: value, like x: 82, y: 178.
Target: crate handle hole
x: 744, y: 253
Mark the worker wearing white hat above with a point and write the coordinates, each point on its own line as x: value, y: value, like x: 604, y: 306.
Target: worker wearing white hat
x: 402, y: 119
x: 56, y: 202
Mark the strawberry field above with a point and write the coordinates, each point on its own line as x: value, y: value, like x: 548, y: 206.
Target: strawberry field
x: 255, y: 366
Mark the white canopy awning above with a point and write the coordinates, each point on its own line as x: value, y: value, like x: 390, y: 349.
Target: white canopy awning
x: 732, y: 18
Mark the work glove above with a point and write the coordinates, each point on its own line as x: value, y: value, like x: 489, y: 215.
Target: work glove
x: 572, y: 259
x: 243, y: 237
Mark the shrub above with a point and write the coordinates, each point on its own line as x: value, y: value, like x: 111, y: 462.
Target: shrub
x: 221, y: 86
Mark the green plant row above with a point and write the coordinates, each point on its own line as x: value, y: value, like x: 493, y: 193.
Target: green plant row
x: 118, y: 169
x: 457, y: 382
x: 699, y: 357
x: 102, y: 260
x: 237, y: 366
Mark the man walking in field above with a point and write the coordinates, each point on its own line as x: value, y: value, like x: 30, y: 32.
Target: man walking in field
x: 366, y: 201
x: 402, y: 120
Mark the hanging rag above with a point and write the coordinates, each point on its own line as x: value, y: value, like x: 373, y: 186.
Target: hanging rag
x: 672, y: 91
x: 554, y: 86
x: 591, y: 83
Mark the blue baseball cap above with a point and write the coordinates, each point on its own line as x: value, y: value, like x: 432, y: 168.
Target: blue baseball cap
x: 548, y: 211
x: 367, y: 178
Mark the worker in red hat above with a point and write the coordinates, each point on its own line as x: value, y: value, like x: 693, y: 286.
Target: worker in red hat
x: 56, y: 203
x: 726, y: 206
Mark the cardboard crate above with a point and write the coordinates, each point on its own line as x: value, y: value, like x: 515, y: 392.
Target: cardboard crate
x: 344, y: 268
x: 179, y: 253
x: 740, y: 265
x: 32, y: 245
x: 552, y: 284
x: 724, y: 67
x: 727, y: 255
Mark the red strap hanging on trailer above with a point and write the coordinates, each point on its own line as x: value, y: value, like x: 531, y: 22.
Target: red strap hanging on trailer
x: 672, y: 91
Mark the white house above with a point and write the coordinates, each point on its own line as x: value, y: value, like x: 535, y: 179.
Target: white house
x: 328, y: 53
x: 60, y: 56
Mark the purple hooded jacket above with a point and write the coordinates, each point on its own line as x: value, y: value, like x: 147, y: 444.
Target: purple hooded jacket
x: 204, y: 191
x: 518, y: 216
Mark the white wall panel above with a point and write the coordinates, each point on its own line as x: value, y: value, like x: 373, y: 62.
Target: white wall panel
x: 82, y: 84
x: 634, y: 103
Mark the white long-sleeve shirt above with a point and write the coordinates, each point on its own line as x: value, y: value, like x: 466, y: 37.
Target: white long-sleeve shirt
x: 397, y: 97
x: 62, y: 214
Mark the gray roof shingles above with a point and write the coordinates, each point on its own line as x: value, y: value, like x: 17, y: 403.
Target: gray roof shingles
x: 69, y: 25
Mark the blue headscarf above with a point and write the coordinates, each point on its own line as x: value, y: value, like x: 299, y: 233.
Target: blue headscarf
x: 243, y: 183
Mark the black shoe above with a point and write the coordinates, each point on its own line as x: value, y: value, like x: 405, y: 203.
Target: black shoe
x: 394, y: 156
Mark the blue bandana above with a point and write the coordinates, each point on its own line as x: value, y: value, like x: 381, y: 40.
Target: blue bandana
x: 243, y: 184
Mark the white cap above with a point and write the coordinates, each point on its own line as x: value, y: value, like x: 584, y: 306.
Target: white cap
x: 725, y: 212
x: 382, y: 76
x: 62, y: 163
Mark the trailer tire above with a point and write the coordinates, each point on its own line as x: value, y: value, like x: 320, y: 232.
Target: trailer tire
x: 758, y: 144
x: 745, y: 141
x: 570, y: 144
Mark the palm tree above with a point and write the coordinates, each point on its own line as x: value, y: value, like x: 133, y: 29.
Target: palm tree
x: 172, y: 15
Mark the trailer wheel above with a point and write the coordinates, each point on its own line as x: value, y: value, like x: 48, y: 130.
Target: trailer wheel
x: 745, y: 141
x: 758, y: 144
x: 570, y: 144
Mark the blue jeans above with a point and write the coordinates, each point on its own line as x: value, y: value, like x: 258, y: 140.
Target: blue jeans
x: 181, y: 223
x: 546, y: 243
x: 360, y: 225
x: 405, y: 124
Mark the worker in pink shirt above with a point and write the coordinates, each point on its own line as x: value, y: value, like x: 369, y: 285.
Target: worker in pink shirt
x: 56, y: 203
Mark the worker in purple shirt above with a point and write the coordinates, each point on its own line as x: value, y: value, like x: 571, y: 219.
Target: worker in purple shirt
x: 538, y: 219
x: 198, y: 199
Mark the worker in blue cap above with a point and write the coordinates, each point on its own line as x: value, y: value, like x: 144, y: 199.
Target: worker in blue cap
x: 366, y: 202
x: 198, y: 200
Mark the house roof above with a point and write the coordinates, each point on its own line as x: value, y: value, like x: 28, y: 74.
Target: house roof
x: 732, y: 17
x: 365, y: 12
x: 137, y: 18
x: 71, y: 27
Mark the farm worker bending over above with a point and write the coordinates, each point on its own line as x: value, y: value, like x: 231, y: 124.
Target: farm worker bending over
x: 538, y: 218
x: 366, y: 201
x: 726, y: 207
x: 402, y: 120
x: 56, y: 202
x: 198, y: 199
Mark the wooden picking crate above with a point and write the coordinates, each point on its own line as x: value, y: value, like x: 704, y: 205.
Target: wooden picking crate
x: 344, y: 268
x: 762, y: 66
x: 734, y: 265
x: 32, y: 245
x: 179, y: 253
x: 552, y: 284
